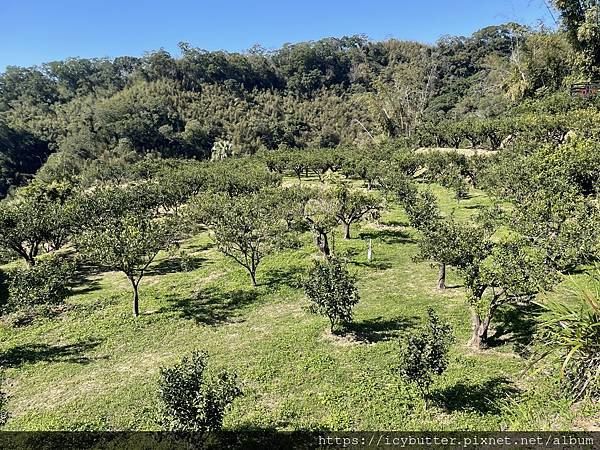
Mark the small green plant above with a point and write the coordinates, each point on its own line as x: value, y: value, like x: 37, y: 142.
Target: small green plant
x: 332, y: 290
x: 46, y: 283
x: 191, y: 399
x: 186, y: 261
x: 570, y: 334
x: 424, y: 353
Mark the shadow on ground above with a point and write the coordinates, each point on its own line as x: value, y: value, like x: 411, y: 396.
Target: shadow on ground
x: 33, y: 353
x: 516, y: 326
x: 349, y: 255
x: 387, y: 235
x: 82, y: 281
x: 379, y: 329
x: 176, y: 264
x: 211, y: 306
x: 473, y: 206
x: 276, y: 277
x: 377, y: 265
x: 481, y: 398
x: 396, y: 223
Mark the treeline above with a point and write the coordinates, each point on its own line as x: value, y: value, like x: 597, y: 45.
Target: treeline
x: 554, y: 118
x: 91, y: 113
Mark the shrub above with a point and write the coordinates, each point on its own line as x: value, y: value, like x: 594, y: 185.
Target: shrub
x: 425, y: 353
x: 570, y: 334
x: 453, y: 179
x: 332, y: 290
x: 191, y: 399
x: 186, y: 261
x: 46, y: 283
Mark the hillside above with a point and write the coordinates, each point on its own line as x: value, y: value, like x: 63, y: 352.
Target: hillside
x: 95, y: 367
x: 336, y: 235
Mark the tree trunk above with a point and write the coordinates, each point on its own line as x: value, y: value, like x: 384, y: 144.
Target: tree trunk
x: 136, y: 298
x: 369, y: 184
x: 253, y: 278
x: 441, y: 284
x: 323, y: 244
x: 346, y: 230
x: 480, y: 331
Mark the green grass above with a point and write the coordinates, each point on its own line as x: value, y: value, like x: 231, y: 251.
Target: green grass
x: 96, y: 367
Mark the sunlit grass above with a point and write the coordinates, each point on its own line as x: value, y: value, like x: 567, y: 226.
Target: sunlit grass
x: 96, y: 367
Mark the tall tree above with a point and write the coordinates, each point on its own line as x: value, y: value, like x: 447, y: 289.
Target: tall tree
x: 24, y: 227
x: 507, y: 273
x: 320, y: 212
x: 581, y: 20
x: 449, y: 244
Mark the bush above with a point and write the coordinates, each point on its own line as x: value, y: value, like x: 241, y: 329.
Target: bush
x: 452, y: 178
x: 187, y: 262
x: 332, y: 290
x: 46, y: 283
x: 425, y: 353
x: 191, y: 399
x: 571, y: 338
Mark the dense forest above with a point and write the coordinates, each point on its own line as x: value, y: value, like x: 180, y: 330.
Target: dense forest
x: 191, y: 189
x: 85, y: 117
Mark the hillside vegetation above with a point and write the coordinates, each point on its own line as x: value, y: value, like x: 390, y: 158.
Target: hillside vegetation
x: 336, y: 235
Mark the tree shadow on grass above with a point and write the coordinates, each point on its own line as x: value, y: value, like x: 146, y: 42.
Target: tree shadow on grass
x: 211, y: 306
x: 33, y: 353
x: 291, y: 277
x: 516, y: 325
x: 378, y: 329
x: 473, y: 206
x: 348, y: 255
x: 389, y: 236
x: 175, y: 264
x: 82, y: 281
x: 481, y: 398
x: 450, y: 287
x: 193, y: 247
x: 396, y: 223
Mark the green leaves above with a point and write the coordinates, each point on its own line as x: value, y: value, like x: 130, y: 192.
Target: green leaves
x: 193, y: 400
x: 581, y: 21
x: 570, y: 337
x: 332, y: 290
x: 39, y: 214
x: 46, y: 283
x: 424, y: 353
x: 452, y: 243
x: 128, y: 243
x: 247, y: 227
x: 355, y: 205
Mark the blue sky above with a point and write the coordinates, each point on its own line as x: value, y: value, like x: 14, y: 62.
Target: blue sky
x: 37, y: 31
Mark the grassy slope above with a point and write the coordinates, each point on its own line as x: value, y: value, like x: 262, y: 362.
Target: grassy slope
x: 95, y: 367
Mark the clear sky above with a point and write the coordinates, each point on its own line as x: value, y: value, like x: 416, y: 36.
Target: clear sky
x: 37, y: 31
